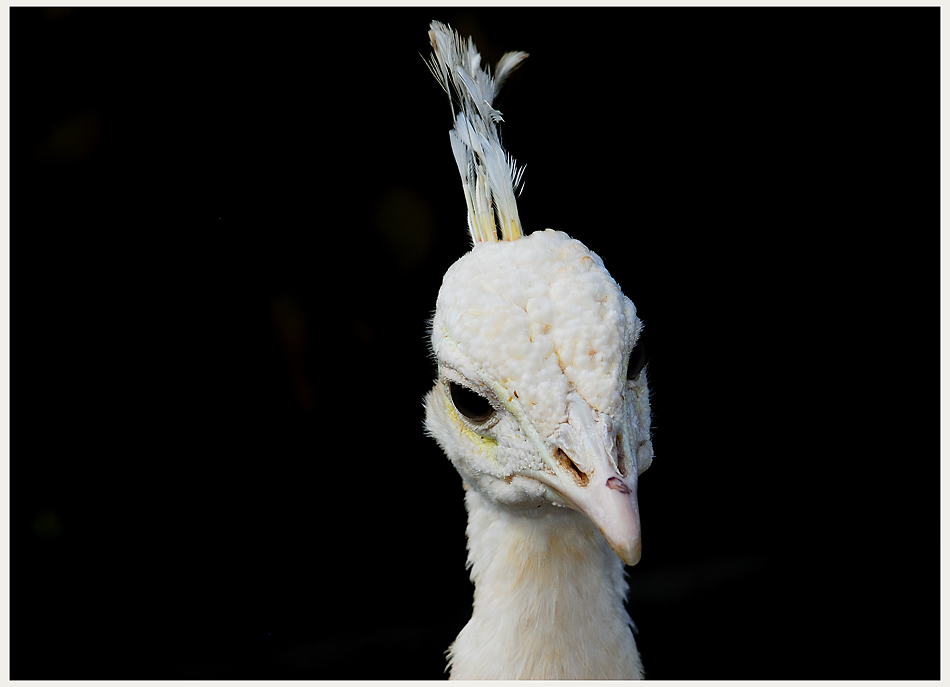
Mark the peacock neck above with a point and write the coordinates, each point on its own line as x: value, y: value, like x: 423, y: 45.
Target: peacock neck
x: 549, y: 597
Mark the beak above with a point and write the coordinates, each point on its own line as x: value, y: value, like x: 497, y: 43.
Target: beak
x: 587, y: 476
x: 611, y: 506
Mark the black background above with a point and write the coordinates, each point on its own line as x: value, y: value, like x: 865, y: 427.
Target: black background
x: 230, y: 227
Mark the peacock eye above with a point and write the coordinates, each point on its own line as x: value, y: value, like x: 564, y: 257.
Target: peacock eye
x: 638, y: 358
x: 476, y: 408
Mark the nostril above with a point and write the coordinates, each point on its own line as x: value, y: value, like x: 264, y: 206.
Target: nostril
x: 571, y: 468
x: 618, y: 484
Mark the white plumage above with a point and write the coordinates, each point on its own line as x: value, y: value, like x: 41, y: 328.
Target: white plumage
x: 542, y: 406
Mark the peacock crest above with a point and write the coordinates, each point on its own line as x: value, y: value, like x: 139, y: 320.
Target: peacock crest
x: 489, y: 174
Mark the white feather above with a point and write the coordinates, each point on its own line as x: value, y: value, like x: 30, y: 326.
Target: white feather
x: 489, y: 174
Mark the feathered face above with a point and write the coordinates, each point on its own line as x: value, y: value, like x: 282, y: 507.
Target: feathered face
x: 541, y: 400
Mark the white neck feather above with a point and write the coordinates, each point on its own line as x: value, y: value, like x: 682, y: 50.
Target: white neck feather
x: 549, y: 596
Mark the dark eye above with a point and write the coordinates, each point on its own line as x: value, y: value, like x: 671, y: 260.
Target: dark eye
x: 470, y: 404
x: 638, y: 358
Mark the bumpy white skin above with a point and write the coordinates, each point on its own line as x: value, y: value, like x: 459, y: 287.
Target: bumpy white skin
x: 525, y: 323
x: 539, y: 328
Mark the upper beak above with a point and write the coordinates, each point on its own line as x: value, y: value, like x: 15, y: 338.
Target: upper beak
x: 612, y: 506
x: 587, y: 476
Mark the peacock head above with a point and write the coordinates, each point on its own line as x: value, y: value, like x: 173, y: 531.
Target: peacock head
x: 541, y: 399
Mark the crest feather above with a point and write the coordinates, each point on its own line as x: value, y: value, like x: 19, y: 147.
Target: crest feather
x: 489, y: 174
